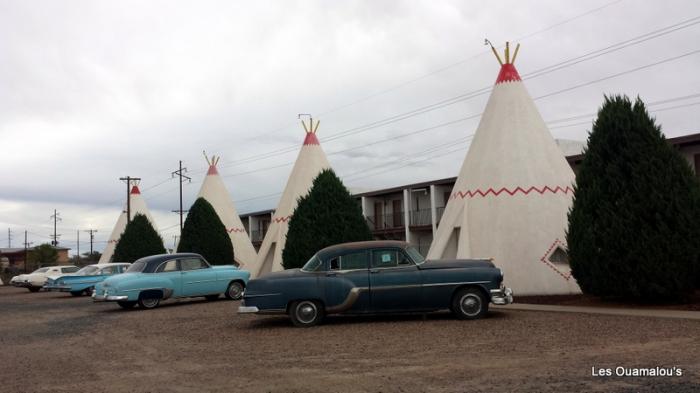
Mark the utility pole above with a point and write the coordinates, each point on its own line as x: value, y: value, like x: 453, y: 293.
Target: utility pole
x: 56, y: 217
x: 182, y: 177
x: 78, y: 243
x: 92, y: 238
x: 9, y: 238
x: 26, y: 246
x: 129, y: 180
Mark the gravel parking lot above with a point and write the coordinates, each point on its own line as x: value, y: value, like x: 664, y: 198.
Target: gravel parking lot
x: 52, y: 342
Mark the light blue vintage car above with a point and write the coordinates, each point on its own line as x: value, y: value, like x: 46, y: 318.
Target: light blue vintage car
x: 83, y: 281
x: 159, y: 277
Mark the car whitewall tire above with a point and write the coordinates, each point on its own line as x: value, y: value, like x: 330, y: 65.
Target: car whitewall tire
x: 235, y: 291
x: 469, y: 303
x: 306, y: 313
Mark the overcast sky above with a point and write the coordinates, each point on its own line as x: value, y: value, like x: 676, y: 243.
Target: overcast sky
x: 94, y: 90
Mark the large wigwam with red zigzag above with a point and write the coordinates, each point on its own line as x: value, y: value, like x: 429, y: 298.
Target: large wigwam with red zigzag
x: 215, y: 192
x: 512, y: 195
x: 310, y: 162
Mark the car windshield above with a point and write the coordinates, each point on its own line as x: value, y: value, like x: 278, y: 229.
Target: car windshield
x: 415, y: 255
x: 41, y: 270
x: 313, y: 265
x: 87, y: 271
x: 137, y: 267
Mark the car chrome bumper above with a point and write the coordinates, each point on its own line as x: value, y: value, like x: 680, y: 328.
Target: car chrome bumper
x: 58, y: 288
x: 248, y: 310
x: 502, y: 296
x: 108, y: 298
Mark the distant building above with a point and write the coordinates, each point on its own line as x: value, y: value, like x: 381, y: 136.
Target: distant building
x: 15, y: 256
x: 421, y: 204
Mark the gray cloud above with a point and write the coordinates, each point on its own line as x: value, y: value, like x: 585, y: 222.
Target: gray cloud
x: 97, y: 90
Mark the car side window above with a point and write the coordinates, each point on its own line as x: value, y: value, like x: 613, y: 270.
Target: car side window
x: 384, y: 258
x: 192, y: 264
x: 110, y: 270
x: 404, y: 260
x: 334, y: 263
x: 169, y: 266
x: 354, y: 261
x: 123, y: 268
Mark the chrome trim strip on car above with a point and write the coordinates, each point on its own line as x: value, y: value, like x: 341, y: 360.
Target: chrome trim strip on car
x: 140, y: 289
x: 262, y: 294
x: 201, y: 281
x: 348, y: 302
x: 387, y: 287
x: 455, y: 283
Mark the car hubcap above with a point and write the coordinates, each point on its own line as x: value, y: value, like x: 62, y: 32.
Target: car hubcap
x: 470, y: 304
x: 235, y: 290
x: 306, y: 312
x: 150, y: 302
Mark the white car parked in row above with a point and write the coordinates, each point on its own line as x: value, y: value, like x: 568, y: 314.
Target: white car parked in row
x: 35, y: 280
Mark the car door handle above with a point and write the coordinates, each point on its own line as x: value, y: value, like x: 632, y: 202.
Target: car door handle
x: 374, y: 270
x: 331, y: 274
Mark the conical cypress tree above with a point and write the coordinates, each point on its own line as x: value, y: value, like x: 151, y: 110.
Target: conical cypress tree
x: 205, y: 234
x: 635, y: 220
x: 327, y: 215
x: 139, y: 240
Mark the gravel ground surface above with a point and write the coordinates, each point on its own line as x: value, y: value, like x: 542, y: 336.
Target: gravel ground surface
x: 53, y: 342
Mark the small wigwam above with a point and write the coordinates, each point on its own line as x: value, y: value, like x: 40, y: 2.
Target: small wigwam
x: 512, y: 195
x: 310, y: 162
x: 138, y: 206
x: 215, y: 192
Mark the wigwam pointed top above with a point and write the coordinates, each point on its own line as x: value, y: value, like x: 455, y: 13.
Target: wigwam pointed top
x: 213, y: 162
x: 310, y: 130
x: 508, y: 72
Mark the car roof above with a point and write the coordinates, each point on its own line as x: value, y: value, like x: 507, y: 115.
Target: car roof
x: 371, y: 244
x: 110, y: 264
x: 153, y: 261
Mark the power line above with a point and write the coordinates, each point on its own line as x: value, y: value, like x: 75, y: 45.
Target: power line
x: 627, y: 72
x: 475, y: 93
x: 463, y: 139
x: 452, y: 65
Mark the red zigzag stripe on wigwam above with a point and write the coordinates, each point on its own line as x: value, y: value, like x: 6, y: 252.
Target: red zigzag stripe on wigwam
x: 491, y: 191
x: 281, y: 219
x: 237, y: 230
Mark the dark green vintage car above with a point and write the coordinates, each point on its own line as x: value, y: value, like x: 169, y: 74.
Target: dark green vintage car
x: 376, y: 277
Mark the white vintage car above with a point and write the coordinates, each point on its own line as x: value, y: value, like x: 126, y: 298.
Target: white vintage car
x: 35, y: 280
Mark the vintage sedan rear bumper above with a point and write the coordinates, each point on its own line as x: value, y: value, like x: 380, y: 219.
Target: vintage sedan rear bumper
x: 61, y: 288
x: 108, y: 298
x: 248, y: 310
x: 502, y: 296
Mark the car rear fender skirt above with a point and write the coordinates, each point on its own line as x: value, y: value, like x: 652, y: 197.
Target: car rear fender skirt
x: 155, y: 293
x: 348, y: 302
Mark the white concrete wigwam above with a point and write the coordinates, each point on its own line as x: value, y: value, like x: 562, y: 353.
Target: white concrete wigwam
x: 138, y: 205
x: 310, y: 162
x: 215, y: 192
x: 512, y: 195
